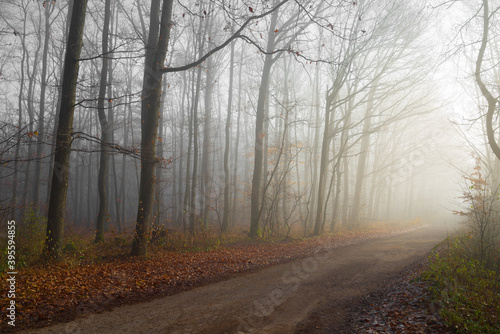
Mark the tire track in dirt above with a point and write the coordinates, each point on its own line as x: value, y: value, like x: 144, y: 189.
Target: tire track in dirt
x: 311, y: 295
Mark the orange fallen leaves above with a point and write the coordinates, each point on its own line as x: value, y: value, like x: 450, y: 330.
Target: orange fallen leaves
x: 59, y: 292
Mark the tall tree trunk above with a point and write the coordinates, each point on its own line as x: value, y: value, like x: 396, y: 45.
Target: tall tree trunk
x: 237, y: 142
x: 111, y: 117
x: 180, y: 165
x: 227, y: 148
x: 90, y: 190
x: 156, y: 52
x: 365, y: 145
x: 59, y: 98
x: 323, y: 166
x: 103, y: 213
x: 187, y: 191
x: 160, y: 154
x: 315, y: 153
x: 41, y: 116
x: 194, y: 175
x: 286, y: 144
x: 59, y: 186
x: 492, y: 101
x: 207, y: 141
x: 126, y: 128
x: 13, y: 201
x: 255, y: 200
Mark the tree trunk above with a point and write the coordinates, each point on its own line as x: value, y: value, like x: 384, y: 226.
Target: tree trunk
x: 192, y: 201
x: 41, y: 116
x: 155, y: 57
x: 315, y: 153
x: 323, y: 166
x: 160, y: 154
x: 13, y: 201
x: 111, y: 119
x: 207, y: 138
x: 180, y: 165
x: 227, y: 148
x: 194, y: 180
x: 59, y: 186
x: 492, y: 101
x: 59, y: 98
x: 365, y: 145
x: 237, y: 143
x: 103, y: 213
x: 255, y: 230
x: 187, y: 192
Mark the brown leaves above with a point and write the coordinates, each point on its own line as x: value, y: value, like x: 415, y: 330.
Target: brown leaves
x: 404, y: 306
x: 59, y: 292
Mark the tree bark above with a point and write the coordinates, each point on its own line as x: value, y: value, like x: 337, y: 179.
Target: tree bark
x: 255, y: 230
x: 365, y: 145
x: 103, y: 213
x: 227, y: 148
x: 41, y: 117
x: 187, y: 192
x: 192, y: 201
x: 323, y: 167
x: 152, y: 83
x: 59, y: 186
x: 207, y: 139
x: 492, y: 101
x: 237, y: 143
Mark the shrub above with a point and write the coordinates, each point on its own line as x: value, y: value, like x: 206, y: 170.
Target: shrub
x: 29, y: 239
x: 31, y: 236
x: 467, y: 291
x: 482, y: 216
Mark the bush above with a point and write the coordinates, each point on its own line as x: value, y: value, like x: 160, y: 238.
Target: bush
x: 482, y: 216
x: 29, y: 239
x: 467, y: 291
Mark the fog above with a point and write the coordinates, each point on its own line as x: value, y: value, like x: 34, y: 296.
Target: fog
x: 303, y: 116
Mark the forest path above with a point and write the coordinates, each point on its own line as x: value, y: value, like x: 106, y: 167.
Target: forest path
x: 310, y: 295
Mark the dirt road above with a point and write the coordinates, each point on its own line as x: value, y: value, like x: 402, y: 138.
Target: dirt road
x: 311, y: 295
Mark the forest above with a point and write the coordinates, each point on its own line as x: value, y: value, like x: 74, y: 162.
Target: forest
x: 129, y: 128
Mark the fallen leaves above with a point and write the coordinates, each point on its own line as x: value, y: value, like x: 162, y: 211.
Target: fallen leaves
x: 61, y: 292
x: 403, y: 307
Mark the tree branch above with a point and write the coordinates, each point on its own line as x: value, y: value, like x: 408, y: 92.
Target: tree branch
x: 492, y: 101
x: 223, y: 45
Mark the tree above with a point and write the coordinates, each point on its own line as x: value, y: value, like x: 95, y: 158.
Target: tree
x: 492, y: 101
x: 48, y: 9
x: 103, y: 214
x: 285, y: 36
x: 154, y: 68
x: 156, y: 51
x: 227, y: 147
x: 255, y: 230
x: 60, y: 174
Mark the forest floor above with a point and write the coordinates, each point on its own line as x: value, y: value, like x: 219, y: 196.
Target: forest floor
x: 316, y: 285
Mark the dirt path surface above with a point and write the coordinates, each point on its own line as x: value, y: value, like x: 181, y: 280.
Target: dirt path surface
x: 312, y: 295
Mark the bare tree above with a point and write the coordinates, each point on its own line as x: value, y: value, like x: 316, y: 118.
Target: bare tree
x: 103, y: 213
x: 156, y: 50
x: 59, y: 187
x: 492, y: 101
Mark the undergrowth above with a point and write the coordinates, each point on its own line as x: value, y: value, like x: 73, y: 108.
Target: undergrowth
x: 467, y: 291
x: 78, y: 246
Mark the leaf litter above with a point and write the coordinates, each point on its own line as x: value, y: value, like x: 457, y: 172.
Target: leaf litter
x: 49, y: 294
